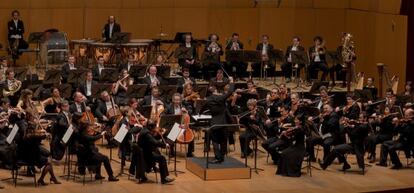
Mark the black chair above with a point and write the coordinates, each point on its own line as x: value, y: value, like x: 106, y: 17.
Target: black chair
x: 15, y: 171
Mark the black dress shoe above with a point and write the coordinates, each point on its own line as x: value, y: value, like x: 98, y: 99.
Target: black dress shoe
x: 382, y: 164
x: 99, y: 177
x: 113, y: 179
x: 346, y: 166
x: 167, y: 180
x: 396, y: 167
x: 322, y: 165
x: 216, y: 161
x: 143, y: 180
x: 190, y: 155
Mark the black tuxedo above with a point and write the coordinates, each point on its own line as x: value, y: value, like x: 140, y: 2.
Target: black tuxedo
x: 314, y: 66
x: 100, y: 110
x: 82, y: 87
x: 65, y: 72
x: 105, y: 34
x: 236, y: 69
x: 147, y: 80
x: 95, y: 72
x: 16, y: 30
x: 269, y: 48
x: 62, y: 124
x: 147, y: 100
x: 220, y: 115
x: 152, y: 155
x: 73, y: 109
x: 287, y: 66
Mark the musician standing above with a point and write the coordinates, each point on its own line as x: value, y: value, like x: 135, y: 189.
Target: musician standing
x: 216, y: 103
x: 110, y: 29
x: 318, y: 59
x: 15, y: 33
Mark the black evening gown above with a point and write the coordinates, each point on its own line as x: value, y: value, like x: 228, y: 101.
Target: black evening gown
x: 291, y: 158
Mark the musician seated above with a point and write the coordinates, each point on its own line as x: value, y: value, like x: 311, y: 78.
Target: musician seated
x: 211, y: 56
x: 89, y: 155
x: 97, y: 69
x: 371, y: 88
x: 284, y: 95
x: 236, y: 68
x: 272, y: 104
x: 328, y: 133
x: 179, y: 107
x: 185, y: 79
x: 318, y: 59
x: 67, y: 67
x: 152, y: 79
x: 51, y: 104
x: 110, y: 29
x: 132, y: 122
x: 253, y: 122
x: 291, y: 158
x: 78, y: 104
x: 4, y: 65
x: 29, y: 146
x: 63, y: 120
x: 153, y: 99
x: 131, y: 62
x: 121, y: 87
x: 274, y: 143
x: 287, y: 67
x: 357, y: 132
x: 405, y: 129
x: 12, y: 87
x: 266, y: 51
x: 149, y: 143
x: 86, y: 87
x: 408, y: 93
x: 105, y: 103
x: 219, y: 81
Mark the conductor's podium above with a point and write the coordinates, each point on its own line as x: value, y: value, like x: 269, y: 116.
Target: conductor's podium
x: 230, y: 169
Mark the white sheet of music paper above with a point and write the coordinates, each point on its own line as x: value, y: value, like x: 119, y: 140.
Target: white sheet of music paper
x: 120, y: 135
x: 175, y: 131
x: 12, y: 134
x: 67, y: 134
x: 199, y: 117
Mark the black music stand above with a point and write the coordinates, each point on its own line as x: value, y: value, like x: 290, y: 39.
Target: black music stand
x: 202, y: 90
x: 179, y: 36
x: 77, y: 76
x: 136, y: 90
x: 109, y: 75
x: 65, y: 90
x: 164, y: 71
x: 183, y: 53
x: 99, y: 88
x: 146, y: 110
x: 52, y: 77
x: 198, y: 104
x: 316, y: 85
x: 167, y: 122
x: 36, y: 88
x: 299, y: 58
x: 20, y: 73
x: 138, y: 71
x: 333, y: 57
x: 36, y: 38
x: 167, y: 91
x: 121, y: 37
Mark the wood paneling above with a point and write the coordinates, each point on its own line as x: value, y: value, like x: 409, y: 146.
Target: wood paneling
x: 338, y: 4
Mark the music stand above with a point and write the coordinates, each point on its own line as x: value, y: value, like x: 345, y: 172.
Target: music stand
x: 36, y: 38
x: 202, y: 90
x: 179, y: 36
x: 136, y: 90
x: 20, y: 73
x: 364, y: 95
x: 167, y: 122
x: 97, y: 89
x: 167, y: 91
x: 316, y: 85
x: 183, y: 53
x: 164, y: 71
x: 65, y: 90
x: 121, y: 37
x: 138, y: 70
x: 146, y: 110
x: 109, y: 75
x: 77, y: 76
x: 198, y: 104
x: 36, y: 88
x: 52, y: 77
x: 333, y: 57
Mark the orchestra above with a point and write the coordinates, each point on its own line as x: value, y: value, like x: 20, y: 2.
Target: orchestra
x: 288, y: 124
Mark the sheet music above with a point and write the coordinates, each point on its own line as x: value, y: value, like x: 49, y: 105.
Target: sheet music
x: 198, y: 117
x: 175, y: 132
x: 67, y: 134
x: 12, y: 134
x: 120, y: 135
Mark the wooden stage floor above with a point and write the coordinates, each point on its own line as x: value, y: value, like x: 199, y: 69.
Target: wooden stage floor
x: 331, y: 180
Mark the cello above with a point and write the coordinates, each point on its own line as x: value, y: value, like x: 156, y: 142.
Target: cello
x: 187, y: 135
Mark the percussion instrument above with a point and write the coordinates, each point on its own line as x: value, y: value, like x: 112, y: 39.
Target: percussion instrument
x: 103, y: 49
x: 137, y: 47
x: 83, y: 48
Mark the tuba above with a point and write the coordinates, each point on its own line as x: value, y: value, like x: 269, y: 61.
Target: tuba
x: 348, y: 52
x: 12, y: 88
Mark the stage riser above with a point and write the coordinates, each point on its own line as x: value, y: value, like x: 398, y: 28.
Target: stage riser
x: 228, y: 173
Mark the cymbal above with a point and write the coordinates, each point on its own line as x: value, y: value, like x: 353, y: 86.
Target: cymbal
x: 162, y: 34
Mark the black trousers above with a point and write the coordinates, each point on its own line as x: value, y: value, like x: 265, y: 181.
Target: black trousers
x: 162, y: 165
x: 314, y: 68
x: 245, y: 139
x: 313, y: 141
x: 190, y: 148
x: 273, y: 146
x: 339, y: 152
x: 236, y: 69
x: 339, y: 71
x: 373, y: 140
x: 99, y: 159
x: 219, y: 139
x: 390, y: 147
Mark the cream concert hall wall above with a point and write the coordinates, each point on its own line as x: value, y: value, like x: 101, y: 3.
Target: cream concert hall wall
x: 380, y: 33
